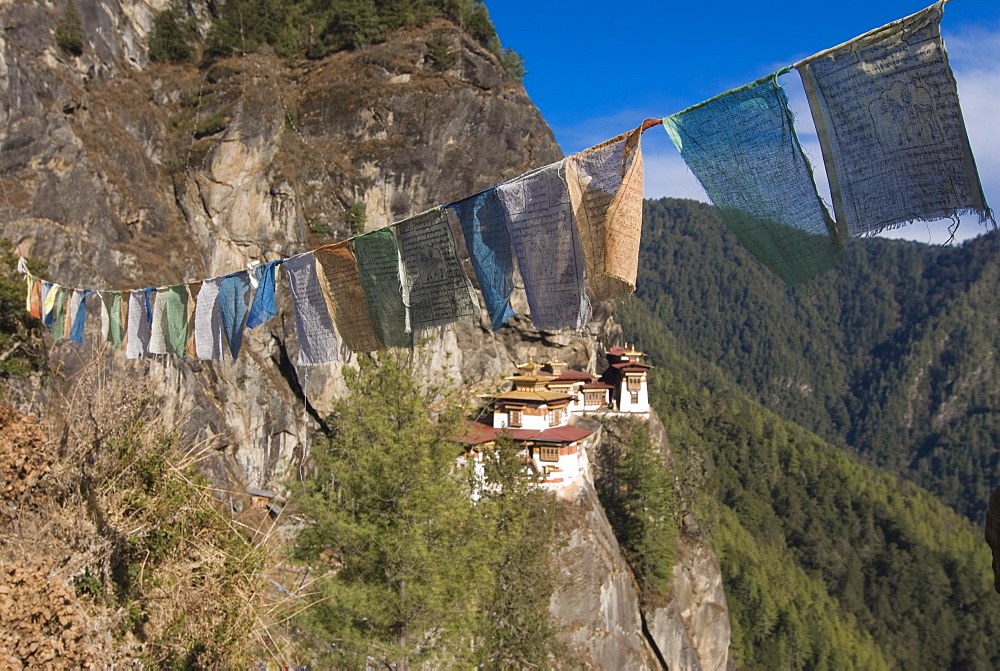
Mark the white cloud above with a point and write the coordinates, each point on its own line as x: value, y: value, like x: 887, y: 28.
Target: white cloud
x: 667, y: 175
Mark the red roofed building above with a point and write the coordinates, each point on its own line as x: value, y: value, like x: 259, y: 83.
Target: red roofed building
x: 536, y: 412
x: 627, y: 374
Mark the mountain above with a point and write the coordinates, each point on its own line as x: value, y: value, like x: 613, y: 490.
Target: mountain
x: 827, y: 563
x: 894, y: 359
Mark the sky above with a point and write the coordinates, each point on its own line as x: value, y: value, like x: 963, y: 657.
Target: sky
x: 597, y: 69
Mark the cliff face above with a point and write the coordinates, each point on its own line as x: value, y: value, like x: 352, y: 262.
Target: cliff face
x: 121, y: 174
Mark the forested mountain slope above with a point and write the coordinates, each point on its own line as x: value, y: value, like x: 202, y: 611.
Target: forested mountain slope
x: 827, y: 563
x: 895, y: 358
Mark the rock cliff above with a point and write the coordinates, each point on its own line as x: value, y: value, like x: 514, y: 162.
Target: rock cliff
x: 124, y: 174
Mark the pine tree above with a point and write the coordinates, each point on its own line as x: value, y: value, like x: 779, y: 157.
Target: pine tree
x: 387, y: 507
x: 516, y: 627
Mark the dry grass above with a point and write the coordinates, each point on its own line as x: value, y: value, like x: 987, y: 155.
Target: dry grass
x: 114, y: 551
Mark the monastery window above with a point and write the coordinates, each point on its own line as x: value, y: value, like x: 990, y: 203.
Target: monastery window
x: 593, y: 397
x: 634, y: 383
x: 556, y: 416
x: 635, y: 397
x: 548, y: 453
x: 515, y: 416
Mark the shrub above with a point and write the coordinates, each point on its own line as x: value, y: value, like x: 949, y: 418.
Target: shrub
x: 173, y: 38
x: 440, y: 51
x: 69, y: 32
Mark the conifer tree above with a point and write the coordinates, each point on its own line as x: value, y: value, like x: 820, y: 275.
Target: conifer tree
x: 406, y: 539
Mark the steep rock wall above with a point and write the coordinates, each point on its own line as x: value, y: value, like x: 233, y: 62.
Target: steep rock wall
x: 121, y: 174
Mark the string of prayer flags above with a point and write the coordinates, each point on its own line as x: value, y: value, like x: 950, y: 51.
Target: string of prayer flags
x: 605, y: 187
x: 378, y: 269
x: 894, y: 145
x: 208, y: 321
x: 339, y: 275
x: 139, y: 316
x: 234, y: 300
x: 544, y: 237
x: 484, y: 228
x: 894, y: 142
x: 114, y: 317
x: 742, y: 147
x: 436, y: 290
x: 262, y: 309
x: 169, y: 328
x: 317, y: 340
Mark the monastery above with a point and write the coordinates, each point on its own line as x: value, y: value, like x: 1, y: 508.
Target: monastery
x: 537, y: 412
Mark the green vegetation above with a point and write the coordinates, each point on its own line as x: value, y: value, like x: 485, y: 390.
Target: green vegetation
x: 109, y: 520
x: 303, y: 28
x: 419, y: 572
x: 894, y: 361
x: 21, y: 347
x: 513, y: 65
x: 827, y: 563
x: 319, y: 227
x: 174, y: 37
x: 171, y: 521
x: 357, y: 216
x: 520, y: 519
x: 636, y: 491
x: 441, y: 51
x: 69, y: 31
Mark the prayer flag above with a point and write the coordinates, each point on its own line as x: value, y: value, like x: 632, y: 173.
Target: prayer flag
x: 60, y: 303
x: 378, y: 270
x: 78, y: 314
x: 313, y: 324
x: 137, y: 338
x: 338, y: 272
x: 435, y: 288
x: 234, y: 299
x: 605, y: 187
x: 263, y: 308
x: 169, y: 327
x: 894, y: 143
x: 742, y: 147
x: 486, y: 237
x: 190, y: 347
x: 545, y: 240
x: 208, y: 321
x: 114, y: 317
x: 48, y: 302
x: 34, y: 297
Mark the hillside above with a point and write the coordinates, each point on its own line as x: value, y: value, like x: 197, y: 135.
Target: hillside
x: 827, y: 563
x: 894, y: 360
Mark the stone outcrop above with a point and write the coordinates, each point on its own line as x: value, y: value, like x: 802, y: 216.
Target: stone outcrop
x: 692, y: 631
x: 124, y: 174
x: 597, y: 603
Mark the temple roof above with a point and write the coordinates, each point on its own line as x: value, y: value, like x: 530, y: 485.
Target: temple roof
x: 533, y: 396
x: 530, y: 367
x: 598, y: 385
x: 631, y: 366
x: 531, y: 379
x: 479, y: 433
x: 574, y: 376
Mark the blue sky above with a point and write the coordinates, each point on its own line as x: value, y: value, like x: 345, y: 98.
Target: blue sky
x: 598, y: 69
